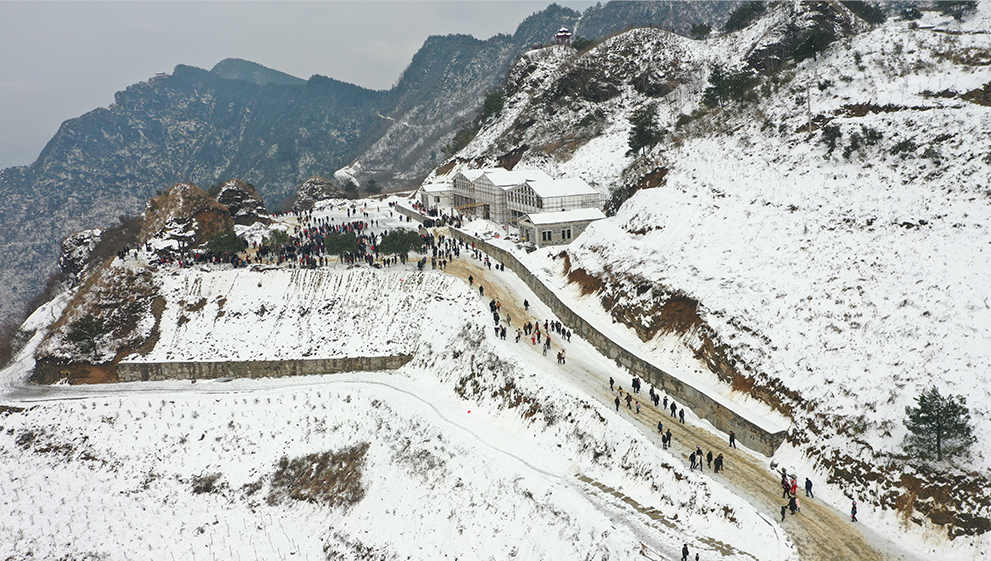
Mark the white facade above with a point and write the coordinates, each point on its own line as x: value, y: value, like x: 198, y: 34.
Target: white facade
x: 484, y: 192
x: 557, y: 228
x: 434, y: 196
x: 552, y: 195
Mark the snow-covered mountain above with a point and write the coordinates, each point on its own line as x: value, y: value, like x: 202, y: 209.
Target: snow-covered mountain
x: 835, y: 272
x: 817, y: 275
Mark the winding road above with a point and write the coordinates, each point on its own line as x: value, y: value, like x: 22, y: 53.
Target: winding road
x: 819, y: 532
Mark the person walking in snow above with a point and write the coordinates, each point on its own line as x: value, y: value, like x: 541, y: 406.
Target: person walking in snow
x: 611, y: 382
x: 792, y: 505
x: 526, y: 305
x: 660, y: 427
x: 471, y: 280
x: 718, y: 463
x: 708, y: 459
x: 674, y: 409
x: 681, y: 415
x: 684, y: 553
x: 784, y: 511
x: 481, y: 291
x: 629, y: 400
x: 638, y: 408
x: 692, y: 458
x: 617, y: 404
x: 732, y: 439
x: 668, y: 433
x: 808, y: 488
x: 853, y: 512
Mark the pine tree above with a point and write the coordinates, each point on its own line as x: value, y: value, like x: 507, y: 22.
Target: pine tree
x: 645, y: 132
x: 84, y: 332
x: 939, y: 425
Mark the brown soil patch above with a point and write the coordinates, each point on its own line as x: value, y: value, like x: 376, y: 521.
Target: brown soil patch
x: 511, y: 158
x: 330, y: 478
x: 653, y: 179
x: 980, y: 96
x: 680, y: 314
x: 587, y: 283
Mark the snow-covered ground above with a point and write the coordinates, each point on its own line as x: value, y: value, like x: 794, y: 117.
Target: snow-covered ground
x: 854, y: 278
x: 478, y: 448
x: 473, y: 449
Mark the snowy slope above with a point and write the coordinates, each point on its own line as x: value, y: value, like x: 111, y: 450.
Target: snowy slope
x: 835, y: 284
x: 471, y: 451
x: 459, y: 462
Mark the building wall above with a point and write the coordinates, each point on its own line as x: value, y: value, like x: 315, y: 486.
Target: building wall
x: 145, y: 371
x: 557, y: 232
x: 723, y: 418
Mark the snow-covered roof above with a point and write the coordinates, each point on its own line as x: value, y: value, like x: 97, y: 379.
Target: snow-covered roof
x: 472, y: 174
x: 435, y: 188
x: 563, y: 216
x: 505, y: 178
x: 561, y: 187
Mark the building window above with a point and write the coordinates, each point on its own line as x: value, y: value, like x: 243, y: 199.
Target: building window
x: 545, y: 236
x: 566, y: 234
x: 437, y: 199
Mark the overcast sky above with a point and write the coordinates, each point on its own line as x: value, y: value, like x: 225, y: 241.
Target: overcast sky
x: 59, y: 60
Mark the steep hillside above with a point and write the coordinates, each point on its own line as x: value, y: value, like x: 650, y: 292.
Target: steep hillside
x: 832, y: 272
x: 444, y: 85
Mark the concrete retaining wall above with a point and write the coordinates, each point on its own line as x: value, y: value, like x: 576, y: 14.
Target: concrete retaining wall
x: 722, y: 417
x: 144, y: 371
x: 409, y: 212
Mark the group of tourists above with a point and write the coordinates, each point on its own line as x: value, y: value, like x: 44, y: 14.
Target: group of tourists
x: 789, y: 490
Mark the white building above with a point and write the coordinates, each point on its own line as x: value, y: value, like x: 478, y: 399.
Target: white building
x: 436, y: 195
x: 556, y: 228
x: 551, y: 195
x: 484, y: 192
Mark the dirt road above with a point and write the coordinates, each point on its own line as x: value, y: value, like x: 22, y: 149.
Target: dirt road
x: 819, y: 532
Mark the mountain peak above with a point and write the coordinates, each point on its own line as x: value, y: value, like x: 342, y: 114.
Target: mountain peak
x: 240, y: 69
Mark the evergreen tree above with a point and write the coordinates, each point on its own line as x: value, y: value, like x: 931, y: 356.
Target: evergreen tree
x: 84, y: 332
x: 340, y: 244
x: 645, y: 133
x: 276, y: 239
x: 372, y: 187
x: 493, y: 104
x: 400, y: 242
x: 939, y: 425
x: 226, y: 243
x: 701, y: 31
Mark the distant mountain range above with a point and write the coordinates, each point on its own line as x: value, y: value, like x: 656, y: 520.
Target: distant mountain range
x: 243, y: 120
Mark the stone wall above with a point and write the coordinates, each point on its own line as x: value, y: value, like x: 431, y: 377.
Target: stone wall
x: 409, y: 212
x: 144, y: 371
x: 721, y: 416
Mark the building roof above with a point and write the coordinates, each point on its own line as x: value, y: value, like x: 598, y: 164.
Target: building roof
x: 435, y: 187
x: 563, y: 216
x: 505, y: 178
x: 561, y: 187
x: 472, y: 174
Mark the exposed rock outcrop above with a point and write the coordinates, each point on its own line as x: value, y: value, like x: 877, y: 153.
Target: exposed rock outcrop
x: 316, y: 189
x: 244, y: 203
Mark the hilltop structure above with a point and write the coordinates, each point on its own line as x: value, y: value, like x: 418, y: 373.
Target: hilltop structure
x: 506, y: 197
